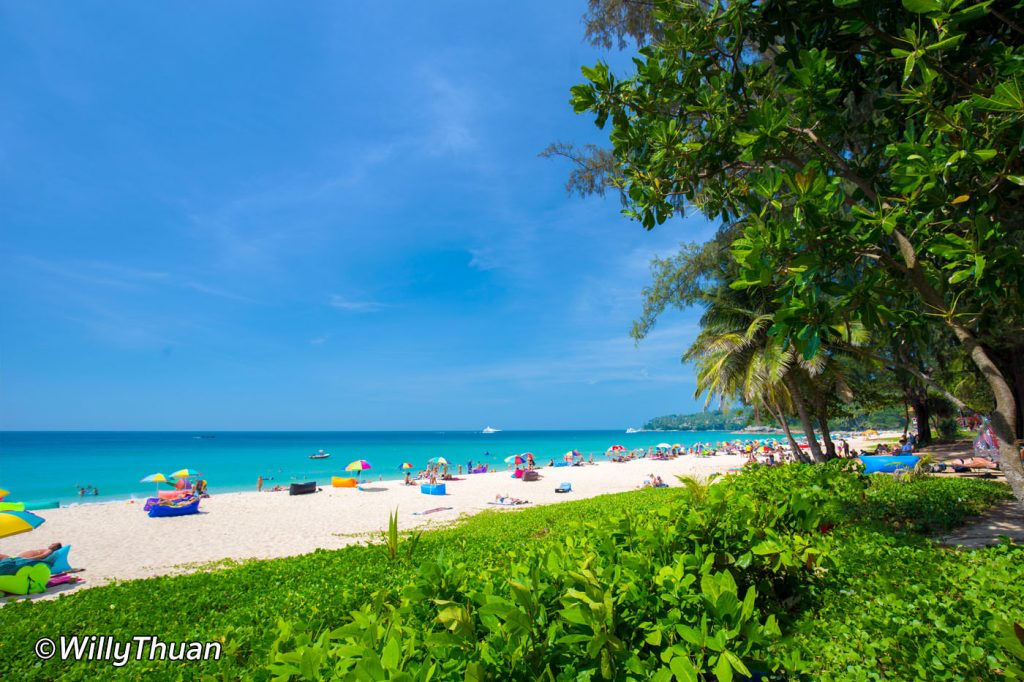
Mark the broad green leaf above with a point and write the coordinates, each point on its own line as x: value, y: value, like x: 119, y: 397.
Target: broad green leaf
x: 922, y: 6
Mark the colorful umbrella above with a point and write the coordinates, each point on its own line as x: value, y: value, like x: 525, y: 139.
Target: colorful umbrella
x: 515, y: 459
x: 186, y: 473
x: 3, y: 493
x: 663, y: 446
x: 617, y: 448
x: 437, y: 460
x: 358, y: 465
x: 406, y: 465
x: 155, y: 478
x: 14, y: 522
x: 570, y: 455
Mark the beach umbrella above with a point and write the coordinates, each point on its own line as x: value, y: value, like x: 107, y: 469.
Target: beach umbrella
x: 4, y: 493
x: 186, y: 473
x: 871, y: 432
x: 358, y: 465
x: 663, y: 446
x: 515, y: 459
x: 14, y: 522
x: 155, y: 478
x: 678, y: 445
x: 568, y: 457
x: 616, y: 448
x: 406, y: 465
x: 437, y: 460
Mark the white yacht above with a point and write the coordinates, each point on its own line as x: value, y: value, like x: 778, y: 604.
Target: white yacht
x: 632, y: 430
x: 491, y: 429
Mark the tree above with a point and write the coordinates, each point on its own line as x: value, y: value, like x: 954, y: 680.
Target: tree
x: 861, y: 148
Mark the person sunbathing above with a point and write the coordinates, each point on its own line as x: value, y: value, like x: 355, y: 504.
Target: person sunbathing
x: 35, y: 553
x: 974, y: 463
x: 505, y: 499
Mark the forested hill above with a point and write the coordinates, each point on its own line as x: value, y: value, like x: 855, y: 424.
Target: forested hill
x: 733, y: 420
x: 737, y: 420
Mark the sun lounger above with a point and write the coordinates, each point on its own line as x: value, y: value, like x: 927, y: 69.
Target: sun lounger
x: 184, y: 507
x: 564, y: 488
x: 57, y: 562
x: 26, y: 580
x: 302, y: 488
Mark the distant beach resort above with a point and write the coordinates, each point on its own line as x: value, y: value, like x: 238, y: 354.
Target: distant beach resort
x: 600, y: 340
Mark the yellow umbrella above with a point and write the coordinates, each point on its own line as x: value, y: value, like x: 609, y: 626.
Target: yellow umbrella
x: 14, y: 522
x: 186, y: 473
x: 4, y: 493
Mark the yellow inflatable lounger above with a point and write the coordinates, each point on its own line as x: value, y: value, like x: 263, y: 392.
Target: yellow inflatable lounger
x: 28, y: 580
x: 339, y: 482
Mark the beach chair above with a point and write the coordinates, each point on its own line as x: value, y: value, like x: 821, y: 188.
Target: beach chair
x: 564, y: 488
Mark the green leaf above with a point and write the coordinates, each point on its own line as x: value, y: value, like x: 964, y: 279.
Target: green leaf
x: 683, y: 668
x: 922, y: 6
x: 736, y: 663
x: 723, y: 671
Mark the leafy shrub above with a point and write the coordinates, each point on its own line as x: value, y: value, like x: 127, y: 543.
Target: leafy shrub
x: 929, y: 503
x: 897, y: 607
x: 793, y: 569
x: 948, y: 428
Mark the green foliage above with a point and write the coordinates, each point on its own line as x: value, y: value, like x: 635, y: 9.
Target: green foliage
x: 929, y: 504
x: 864, y: 160
x: 948, y: 429
x: 764, y: 571
x: 392, y: 538
x: 716, y: 420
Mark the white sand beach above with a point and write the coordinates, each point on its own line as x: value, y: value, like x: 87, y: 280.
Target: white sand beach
x: 119, y: 541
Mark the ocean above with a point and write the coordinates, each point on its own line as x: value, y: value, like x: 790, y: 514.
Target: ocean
x: 43, y: 466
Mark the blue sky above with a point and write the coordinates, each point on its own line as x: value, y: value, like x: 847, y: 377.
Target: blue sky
x: 314, y: 216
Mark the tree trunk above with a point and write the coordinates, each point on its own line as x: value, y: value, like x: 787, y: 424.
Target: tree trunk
x: 1004, y: 418
x: 781, y: 418
x: 805, y: 417
x: 1017, y: 373
x: 923, y: 416
x: 821, y: 414
x: 826, y: 436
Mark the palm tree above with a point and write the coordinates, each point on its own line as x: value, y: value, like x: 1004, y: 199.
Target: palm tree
x: 737, y: 358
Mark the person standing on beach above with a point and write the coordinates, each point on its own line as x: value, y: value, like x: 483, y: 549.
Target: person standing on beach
x: 259, y: 483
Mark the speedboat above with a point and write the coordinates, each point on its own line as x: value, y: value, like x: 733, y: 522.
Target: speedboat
x: 491, y: 429
x: 320, y: 455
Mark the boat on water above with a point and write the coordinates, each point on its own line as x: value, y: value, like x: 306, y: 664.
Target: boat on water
x: 320, y: 455
x: 490, y: 429
x: 632, y: 430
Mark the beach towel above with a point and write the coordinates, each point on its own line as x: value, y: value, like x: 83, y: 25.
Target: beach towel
x: 510, y: 504
x: 432, y: 511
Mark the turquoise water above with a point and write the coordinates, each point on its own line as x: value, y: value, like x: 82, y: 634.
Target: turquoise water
x: 37, y: 466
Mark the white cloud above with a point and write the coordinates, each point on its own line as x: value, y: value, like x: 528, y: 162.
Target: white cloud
x: 356, y: 306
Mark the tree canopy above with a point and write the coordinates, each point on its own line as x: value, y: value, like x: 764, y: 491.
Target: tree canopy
x: 866, y: 157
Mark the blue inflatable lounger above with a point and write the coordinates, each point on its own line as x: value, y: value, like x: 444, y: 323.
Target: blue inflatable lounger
x: 432, y: 489
x: 182, y: 507
x: 876, y: 464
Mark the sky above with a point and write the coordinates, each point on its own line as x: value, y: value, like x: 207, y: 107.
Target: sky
x: 304, y: 216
